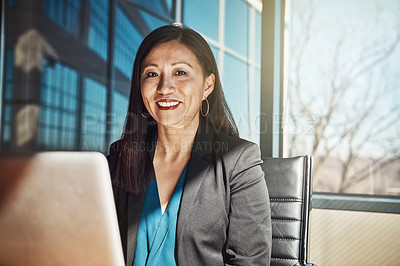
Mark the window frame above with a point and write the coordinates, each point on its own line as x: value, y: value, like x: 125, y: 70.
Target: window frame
x: 272, y: 56
x: 356, y: 202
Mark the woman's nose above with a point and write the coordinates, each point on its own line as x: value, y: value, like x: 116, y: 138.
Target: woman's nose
x: 166, y: 85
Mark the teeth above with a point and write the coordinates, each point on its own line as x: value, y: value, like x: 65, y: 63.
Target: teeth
x: 167, y: 104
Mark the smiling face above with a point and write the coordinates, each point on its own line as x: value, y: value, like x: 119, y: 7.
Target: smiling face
x: 173, y: 85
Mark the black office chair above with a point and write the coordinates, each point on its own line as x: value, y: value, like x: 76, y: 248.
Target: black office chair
x: 289, y: 183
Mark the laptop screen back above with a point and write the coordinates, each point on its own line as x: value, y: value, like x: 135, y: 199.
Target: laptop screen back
x: 57, y: 208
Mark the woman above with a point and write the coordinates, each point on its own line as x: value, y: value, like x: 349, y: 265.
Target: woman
x: 188, y: 191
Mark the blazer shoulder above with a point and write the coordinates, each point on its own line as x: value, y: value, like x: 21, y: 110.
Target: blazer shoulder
x: 236, y: 152
x: 231, y: 144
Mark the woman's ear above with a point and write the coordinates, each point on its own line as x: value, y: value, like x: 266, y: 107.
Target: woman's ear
x: 209, y: 85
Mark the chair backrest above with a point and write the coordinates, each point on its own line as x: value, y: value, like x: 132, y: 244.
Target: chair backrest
x: 289, y: 182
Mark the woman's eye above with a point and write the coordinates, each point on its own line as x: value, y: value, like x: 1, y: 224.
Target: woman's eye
x: 180, y: 73
x: 151, y: 74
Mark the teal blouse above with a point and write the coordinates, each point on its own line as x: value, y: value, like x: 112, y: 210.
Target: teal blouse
x: 157, y: 231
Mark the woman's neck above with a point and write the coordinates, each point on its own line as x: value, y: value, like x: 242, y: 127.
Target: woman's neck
x: 173, y: 142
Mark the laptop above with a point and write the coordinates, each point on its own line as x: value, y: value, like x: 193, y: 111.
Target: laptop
x: 57, y: 208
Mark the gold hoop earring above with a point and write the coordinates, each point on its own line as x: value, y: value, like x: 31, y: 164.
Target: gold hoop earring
x: 208, y: 107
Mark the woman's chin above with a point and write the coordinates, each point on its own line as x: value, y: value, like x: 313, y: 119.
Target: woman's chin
x: 178, y: 122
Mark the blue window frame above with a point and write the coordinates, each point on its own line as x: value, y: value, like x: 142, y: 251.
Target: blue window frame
x: 7, y: 123
x: 65, y: 13
x: 58, y: 113
x: 98, y: 29
x: 151, y: 21
x: 164, y: 8
x: 94, y: 115
x: 119, y: 109
x: 8, y: 96
x: 9, y: 75
x: 127, y: 40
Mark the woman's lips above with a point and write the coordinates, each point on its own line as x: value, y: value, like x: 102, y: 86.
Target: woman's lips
x: 168, y: 104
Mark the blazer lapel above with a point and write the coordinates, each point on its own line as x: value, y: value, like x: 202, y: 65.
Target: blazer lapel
x: 198, y: 166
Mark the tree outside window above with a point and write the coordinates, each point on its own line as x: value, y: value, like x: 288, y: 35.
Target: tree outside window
x: 342, y: 92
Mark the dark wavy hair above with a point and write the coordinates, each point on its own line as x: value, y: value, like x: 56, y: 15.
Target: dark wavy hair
x: 133, y: 169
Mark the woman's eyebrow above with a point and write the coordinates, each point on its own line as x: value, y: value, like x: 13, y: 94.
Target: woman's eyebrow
x: 182, y: 62
x: 173, y: 64
x: 150, y: 64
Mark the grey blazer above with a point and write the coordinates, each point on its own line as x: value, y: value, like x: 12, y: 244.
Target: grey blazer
x: 224, y: 216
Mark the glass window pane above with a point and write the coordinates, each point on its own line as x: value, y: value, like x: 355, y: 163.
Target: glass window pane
x: 236, y: 92
x: 119, y: 110
x: 236, y: 26
x: 9, y: 75
x: 202, y: 15
x: 65, y: 13
x: 342, y: 98
x: 43, y: 126
x: 9, y: 64
x: 94, y: 115
x: 215, y: 52
x: 151, y: 21
x: 7, y: 112
x: 98, y: 30
x: 9, y: 90
x: 6, y: 133
x: 162, y: 7
x: 126, y: 43
x: 58, y: 100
